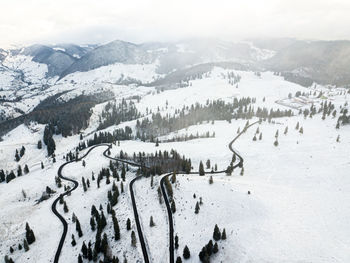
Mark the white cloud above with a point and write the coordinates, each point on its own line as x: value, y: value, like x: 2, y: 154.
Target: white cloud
x: 29, y: 21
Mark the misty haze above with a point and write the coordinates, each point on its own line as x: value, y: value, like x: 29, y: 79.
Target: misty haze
x: 174, y: 131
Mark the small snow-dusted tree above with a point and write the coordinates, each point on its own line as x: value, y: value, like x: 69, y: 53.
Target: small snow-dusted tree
x: 338, y: 138
x: 276, y: 135
x: 201, y: 168
x: 211, y: 181
x: 208, y: 164
x: 242, y: 171
x: 78, y: 228
x: 276, y: 142
x: 73, y: 241
x: 25, y: 245
x: 197, y: 208
x: 223, y: 236
x: 254, y: 138
x: 217, y: 233
x: 297, y: 126
x: 26, y: 169
x: 65, y: 207
x: 128, y: 224
x: 176, y: 242
x: 29, y: 234
x: 301, y: 130
x: 151, y: 222
x: 133, y: 239
x: 186, y: 253
x: 178, y: 260
x: 260, y: 136
x: 116, y: 228
x: 286, y: 130
x: 215, y: 248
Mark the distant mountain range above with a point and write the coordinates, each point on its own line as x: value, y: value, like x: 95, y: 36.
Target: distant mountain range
x: 325, y: 62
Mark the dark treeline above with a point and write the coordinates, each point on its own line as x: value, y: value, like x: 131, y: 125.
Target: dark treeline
x: 187, y: 116
x: 113, y: 114
x: 159, y: 162
x: 184, y: 138
x: 69, y: 117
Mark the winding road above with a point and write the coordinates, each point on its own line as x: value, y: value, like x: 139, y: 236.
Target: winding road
x: 54, y: 204
x: 166, y: 199
x: 136, y: 215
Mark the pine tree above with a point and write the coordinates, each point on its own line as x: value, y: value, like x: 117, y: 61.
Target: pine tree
x: 301, y: 130
x: 133, y: 239
x: 211, y: 181
x: 123, y: 173
x: 152, y: 180
x: 84, y: 250
x: 201, y: 169
x: 73, y: 241
x: 26, y: 169
x: 242, y: 171
x: 11, y: 249
x: 217, y: 233
x: 173, y: 207
x: 260, y: 136
x: 276, y: 135
x: 40, y: 145
x: 197, y: 208
x: 74, y: 217
x: 176, y: 242
x: 186, y: 253
x: 286, y: 130
x: 208, y: 164
x: 65, y: 207
x: 92, y: 223
x: 25, y: 245
x: 104, y: 244
x: 223, y: 236
x: 338, y: 138
x: 128, y: 224
x: 19, y: 246
x: 116, y: 228
x: 276, y: 143
x: 215, y: 248
x: 121, y: 187
x: 151, y: 222
x: 19, y: 171
x: 297, y: 126
x: 178, y: 260
x: 254, y: 138
x: 78, y: 228
x: 29, y: 235
x: 17, y: 158
x: 84, y: 184
x: 84, y: 164
x: 80, y: 260
x: 42, y: 165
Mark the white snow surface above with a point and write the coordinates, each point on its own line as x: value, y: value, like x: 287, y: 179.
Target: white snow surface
x: 300, y: 190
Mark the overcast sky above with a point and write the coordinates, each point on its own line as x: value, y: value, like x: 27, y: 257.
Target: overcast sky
x: 100, y: 21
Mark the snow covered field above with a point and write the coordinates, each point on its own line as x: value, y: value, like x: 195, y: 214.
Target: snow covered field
x: 300, y: 190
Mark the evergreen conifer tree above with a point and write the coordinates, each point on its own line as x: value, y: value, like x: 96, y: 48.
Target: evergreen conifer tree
x: 186, y: 253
